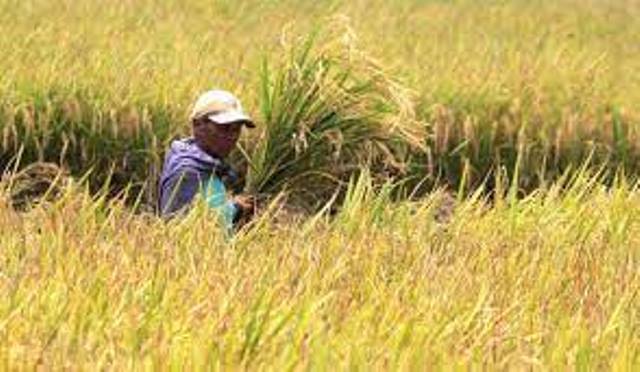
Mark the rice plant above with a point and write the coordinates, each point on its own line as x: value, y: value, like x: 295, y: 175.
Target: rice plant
x: 493, y: 83
x: 328, y: 111
x: 533, y: 262
x: 549, y: 281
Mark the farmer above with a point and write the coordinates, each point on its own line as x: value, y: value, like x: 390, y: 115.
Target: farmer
x: 195, y: 165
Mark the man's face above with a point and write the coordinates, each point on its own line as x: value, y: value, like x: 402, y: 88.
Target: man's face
x: 215, y: 138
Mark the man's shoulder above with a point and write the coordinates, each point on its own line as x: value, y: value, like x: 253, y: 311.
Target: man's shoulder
x: 185, y: 164
x: 183, y: 147
x: 184, y: 154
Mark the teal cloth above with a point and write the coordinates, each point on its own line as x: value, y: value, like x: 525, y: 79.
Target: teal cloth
x: 215, y: 194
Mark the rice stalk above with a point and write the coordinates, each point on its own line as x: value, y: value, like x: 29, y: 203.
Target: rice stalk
x: 328, y: 111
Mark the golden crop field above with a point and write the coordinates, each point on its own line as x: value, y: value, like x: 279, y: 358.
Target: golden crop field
x: 443, y: 184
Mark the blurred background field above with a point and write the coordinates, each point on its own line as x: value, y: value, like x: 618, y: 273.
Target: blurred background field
x: 514, y: 125
x: 100, y: 84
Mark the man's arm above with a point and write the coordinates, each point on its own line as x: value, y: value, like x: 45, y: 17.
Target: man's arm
x: 178, y: 192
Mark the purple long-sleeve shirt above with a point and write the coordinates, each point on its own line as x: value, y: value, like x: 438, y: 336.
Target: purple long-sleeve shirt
x: 188, y: 170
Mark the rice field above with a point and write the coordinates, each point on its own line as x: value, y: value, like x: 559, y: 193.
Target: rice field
x: 445, y: 184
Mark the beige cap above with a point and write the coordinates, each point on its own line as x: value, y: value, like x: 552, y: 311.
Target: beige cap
x: 221, y: 107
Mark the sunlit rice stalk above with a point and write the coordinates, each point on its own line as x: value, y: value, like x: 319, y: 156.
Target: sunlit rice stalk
x: 547, y: 281
x: 328, y: 110
x: 507, y: 279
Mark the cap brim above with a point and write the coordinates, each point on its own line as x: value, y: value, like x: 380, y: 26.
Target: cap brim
x: 230, y: 117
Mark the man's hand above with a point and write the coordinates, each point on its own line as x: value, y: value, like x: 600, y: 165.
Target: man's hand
x: 247, y: 204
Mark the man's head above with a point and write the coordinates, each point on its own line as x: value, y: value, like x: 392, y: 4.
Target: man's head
x: 217, y: 118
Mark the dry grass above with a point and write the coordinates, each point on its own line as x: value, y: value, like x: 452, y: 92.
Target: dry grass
x: 548, y: 82
x: 497, y: 90
x: 549, y: 281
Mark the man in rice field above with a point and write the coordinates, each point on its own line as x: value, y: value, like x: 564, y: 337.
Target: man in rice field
x: 195, y: 165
